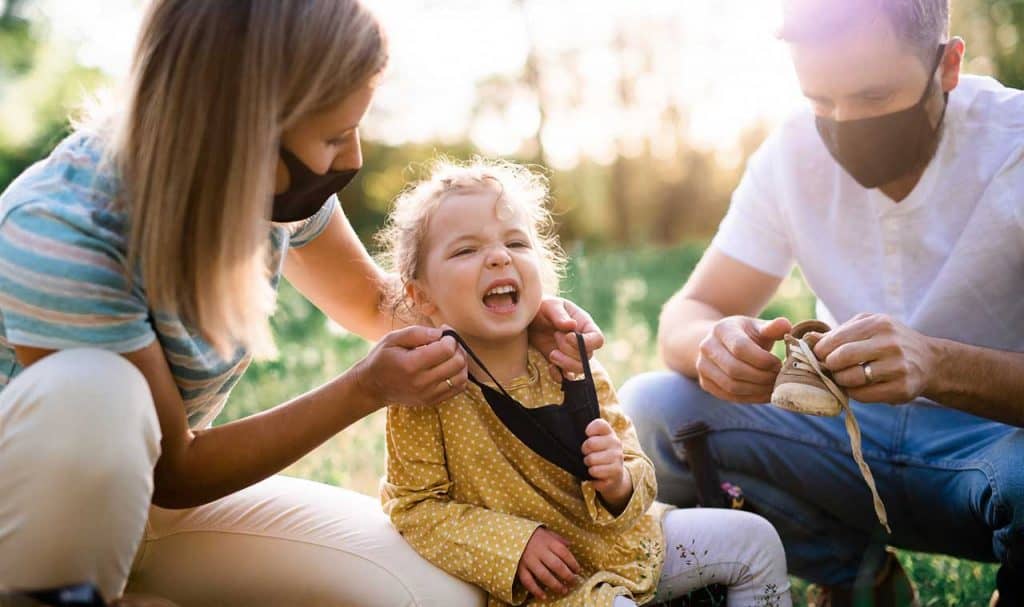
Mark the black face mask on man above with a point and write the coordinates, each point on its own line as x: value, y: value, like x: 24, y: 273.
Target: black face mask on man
x: 878, y: 150
x: 307, y: 191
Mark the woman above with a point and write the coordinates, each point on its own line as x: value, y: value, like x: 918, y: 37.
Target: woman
x: 136, y: 280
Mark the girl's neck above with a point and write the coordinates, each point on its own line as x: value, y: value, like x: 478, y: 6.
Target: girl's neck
x: 505, y: 358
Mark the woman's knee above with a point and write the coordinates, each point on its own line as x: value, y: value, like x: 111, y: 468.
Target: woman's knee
x: 78, y: 442
x: 85, y: 415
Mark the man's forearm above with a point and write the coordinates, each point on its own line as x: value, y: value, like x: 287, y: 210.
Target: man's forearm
x: 981, y: 381
x: 684, y: 323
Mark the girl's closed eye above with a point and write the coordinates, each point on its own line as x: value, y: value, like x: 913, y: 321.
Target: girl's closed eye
x: 522, y: 244
x: 463, y: 251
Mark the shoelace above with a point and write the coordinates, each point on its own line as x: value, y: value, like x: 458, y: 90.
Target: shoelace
x: 805, y: 355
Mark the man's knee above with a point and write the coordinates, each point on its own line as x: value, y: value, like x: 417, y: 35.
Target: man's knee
x: 652, y: 399
x: 1008, y: 539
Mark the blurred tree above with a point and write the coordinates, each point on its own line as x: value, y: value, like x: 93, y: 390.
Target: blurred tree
x: 994, y: 30
x: 16, y: 40
x: 40, y: 83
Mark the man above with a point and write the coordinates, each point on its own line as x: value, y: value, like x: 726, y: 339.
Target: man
x: 900, y: 196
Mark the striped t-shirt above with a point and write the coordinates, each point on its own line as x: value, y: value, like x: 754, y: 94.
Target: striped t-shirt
x: 63, y: 248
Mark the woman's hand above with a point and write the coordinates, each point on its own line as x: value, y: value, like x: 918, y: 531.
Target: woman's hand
x: 602, y: 453
x: 547, y: 563
x: 551, y: 332
x: 413, y: 366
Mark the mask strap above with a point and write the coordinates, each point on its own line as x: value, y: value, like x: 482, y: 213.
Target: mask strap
x: 590, y: 391
x: 931, y: 74
x: 476, y: 359
x: 590, y: 388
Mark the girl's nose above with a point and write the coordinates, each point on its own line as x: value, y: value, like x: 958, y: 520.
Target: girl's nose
x: 498, y: 257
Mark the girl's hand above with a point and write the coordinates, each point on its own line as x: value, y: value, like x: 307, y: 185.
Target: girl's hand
x: 413, y: 366
x: 547, y: 562
x: 551, y: 332
x: 602, y: 453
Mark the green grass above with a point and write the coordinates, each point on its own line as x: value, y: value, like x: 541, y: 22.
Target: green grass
x: 624, y: 293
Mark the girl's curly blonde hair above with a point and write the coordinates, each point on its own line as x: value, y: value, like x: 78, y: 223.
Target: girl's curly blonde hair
x: 402, y: 238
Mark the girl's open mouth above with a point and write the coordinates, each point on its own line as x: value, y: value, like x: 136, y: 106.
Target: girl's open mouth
x: 501, y: 299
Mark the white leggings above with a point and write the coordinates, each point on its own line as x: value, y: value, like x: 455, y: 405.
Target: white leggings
x: 78, y: 441
x: 737, y: 549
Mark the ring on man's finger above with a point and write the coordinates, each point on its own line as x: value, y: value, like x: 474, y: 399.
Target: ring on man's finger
x: 448, y: 381
x: 868, y: 377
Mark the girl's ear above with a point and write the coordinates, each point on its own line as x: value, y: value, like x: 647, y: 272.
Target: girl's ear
x: 420, y: 298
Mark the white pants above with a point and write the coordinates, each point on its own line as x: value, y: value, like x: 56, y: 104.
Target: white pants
x: 737, y: 549
x: 78, y: 441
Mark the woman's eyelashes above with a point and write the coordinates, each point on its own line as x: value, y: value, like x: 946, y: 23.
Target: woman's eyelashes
x: 340, y: 140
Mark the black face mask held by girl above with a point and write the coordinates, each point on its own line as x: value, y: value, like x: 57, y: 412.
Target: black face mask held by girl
x: 555, y: 432
x: 307, y: 191
x: 878, y: 150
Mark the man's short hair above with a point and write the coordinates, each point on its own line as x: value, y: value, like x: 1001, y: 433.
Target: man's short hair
x: 920, y: 24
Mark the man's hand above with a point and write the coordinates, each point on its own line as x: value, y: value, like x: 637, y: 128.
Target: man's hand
x: 602, y: 453
x: 547, y: 562
x: 735, y: 362
x: 551, y: 332
x: 902, y: 360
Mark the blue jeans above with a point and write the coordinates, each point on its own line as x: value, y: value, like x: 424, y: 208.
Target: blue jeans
x: 952, y: 483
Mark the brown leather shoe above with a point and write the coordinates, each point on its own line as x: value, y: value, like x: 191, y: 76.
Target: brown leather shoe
x: 799, y: 386
x: 892, y: 588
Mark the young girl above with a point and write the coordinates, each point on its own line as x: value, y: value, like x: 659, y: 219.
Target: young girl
x: 474, y: 249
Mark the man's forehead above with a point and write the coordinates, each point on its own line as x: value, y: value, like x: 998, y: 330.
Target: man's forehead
x: 863, y: 55
x: 818, y: 20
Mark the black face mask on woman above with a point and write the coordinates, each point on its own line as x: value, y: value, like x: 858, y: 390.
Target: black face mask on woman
x: 307, y: 191
x: 878, y: 150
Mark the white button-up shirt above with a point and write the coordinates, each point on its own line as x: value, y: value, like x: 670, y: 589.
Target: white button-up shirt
x: 948, y: 260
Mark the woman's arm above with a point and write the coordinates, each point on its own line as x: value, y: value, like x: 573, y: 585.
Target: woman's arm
x: 199, y: 466
x: 337, y: 274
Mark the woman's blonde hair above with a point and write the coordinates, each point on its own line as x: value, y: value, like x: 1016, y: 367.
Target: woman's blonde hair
x: 212, y: 87
x: 402, y: 239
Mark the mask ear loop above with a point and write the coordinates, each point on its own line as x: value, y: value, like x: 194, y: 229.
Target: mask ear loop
x: 476, y: 359
x: 588, y: 377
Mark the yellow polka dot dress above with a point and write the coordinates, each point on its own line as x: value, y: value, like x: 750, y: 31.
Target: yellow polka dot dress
x: 467, y: 495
